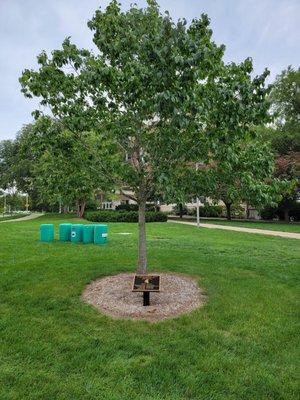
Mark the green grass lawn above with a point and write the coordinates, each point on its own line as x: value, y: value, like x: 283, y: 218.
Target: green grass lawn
x: 273, y: 226
x: 243, y: 344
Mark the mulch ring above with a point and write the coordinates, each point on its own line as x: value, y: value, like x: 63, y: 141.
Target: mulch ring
x: 113, y: 296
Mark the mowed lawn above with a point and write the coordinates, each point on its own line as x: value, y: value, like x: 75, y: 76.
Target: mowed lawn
x: 272, y: 226
x: 243, y: 344
x: 268, y: 225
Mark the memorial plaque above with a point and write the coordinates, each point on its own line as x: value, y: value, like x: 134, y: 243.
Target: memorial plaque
x: 146, y: 284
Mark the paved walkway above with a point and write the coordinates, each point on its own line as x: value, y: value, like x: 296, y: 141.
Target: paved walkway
x: 26, y: 218
x: 290, y: 235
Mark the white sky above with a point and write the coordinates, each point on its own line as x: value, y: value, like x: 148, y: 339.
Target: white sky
x: 266, y: 30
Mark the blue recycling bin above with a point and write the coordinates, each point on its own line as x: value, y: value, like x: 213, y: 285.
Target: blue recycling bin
x: 100, y: 234
x: 65, y: 232
x: 76, y: 233
x: 88, y: 234
x: 47, y: 233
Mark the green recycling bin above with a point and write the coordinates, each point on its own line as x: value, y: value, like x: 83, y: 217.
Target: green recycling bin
x: 76, y: 233
x: 65, y: 232
x: 47, y: 232
x: 88, y: 234
x: 100, y: 234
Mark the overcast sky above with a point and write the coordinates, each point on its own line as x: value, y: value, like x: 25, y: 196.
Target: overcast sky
x: 266, y: 30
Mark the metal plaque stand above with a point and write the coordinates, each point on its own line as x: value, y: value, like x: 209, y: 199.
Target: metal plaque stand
x: 146, y: 284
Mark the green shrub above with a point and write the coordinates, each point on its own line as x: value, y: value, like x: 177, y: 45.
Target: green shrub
x: 124, y: 216
x: 207, y: 211
x: 237, y: 211
x: 92, y: 205
x: 176, y: 209
x: 269, y: 213
x: 127, y: 207
x: 134, y: 207
x: 211, y: 211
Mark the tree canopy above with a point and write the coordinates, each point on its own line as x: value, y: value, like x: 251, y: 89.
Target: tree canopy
x: 54, y: 167
x: 237, y: 166
x: 7, y: 164
x: 284, y: 134
x: 241, y: 173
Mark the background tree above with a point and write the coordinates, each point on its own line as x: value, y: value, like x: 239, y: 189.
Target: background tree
x: 284, y: 135
x: 241, y: 173
x: 18, y: 160
x: 285, y: 99
x: 66, y: 170
x: 50, y: 164
x: 237, y: 167
x: 7, y: 164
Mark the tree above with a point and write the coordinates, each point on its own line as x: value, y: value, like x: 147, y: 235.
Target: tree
x: 10, y: 172
x: 237, y: 168
x: 47, y: 162
x: 18, y: 160
x: 152, y: 68
x: 284, y: 135
x: 66, y: 170
x: 242, y: 172
x: 7, y: 164
x: 146, y: 84
x: 285, y: 99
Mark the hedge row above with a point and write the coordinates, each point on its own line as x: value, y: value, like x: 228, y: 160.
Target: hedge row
x: 208, y: 210
x: 135, y: 207
x: 123, y: 216
x: 204, y: 211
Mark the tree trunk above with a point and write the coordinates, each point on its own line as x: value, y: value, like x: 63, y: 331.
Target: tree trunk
x: 228, y: 211
x: 247, y: 211
x: 286, y: 215
x: 180, y: 210
x: 80, y: 208
x: 142, y: 260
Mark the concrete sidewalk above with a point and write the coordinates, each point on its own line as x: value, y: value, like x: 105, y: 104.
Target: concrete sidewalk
x: 26, y: 218
x: 289, y: 235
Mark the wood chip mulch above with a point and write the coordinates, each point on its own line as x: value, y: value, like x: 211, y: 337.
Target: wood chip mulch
x: 113, y: 296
